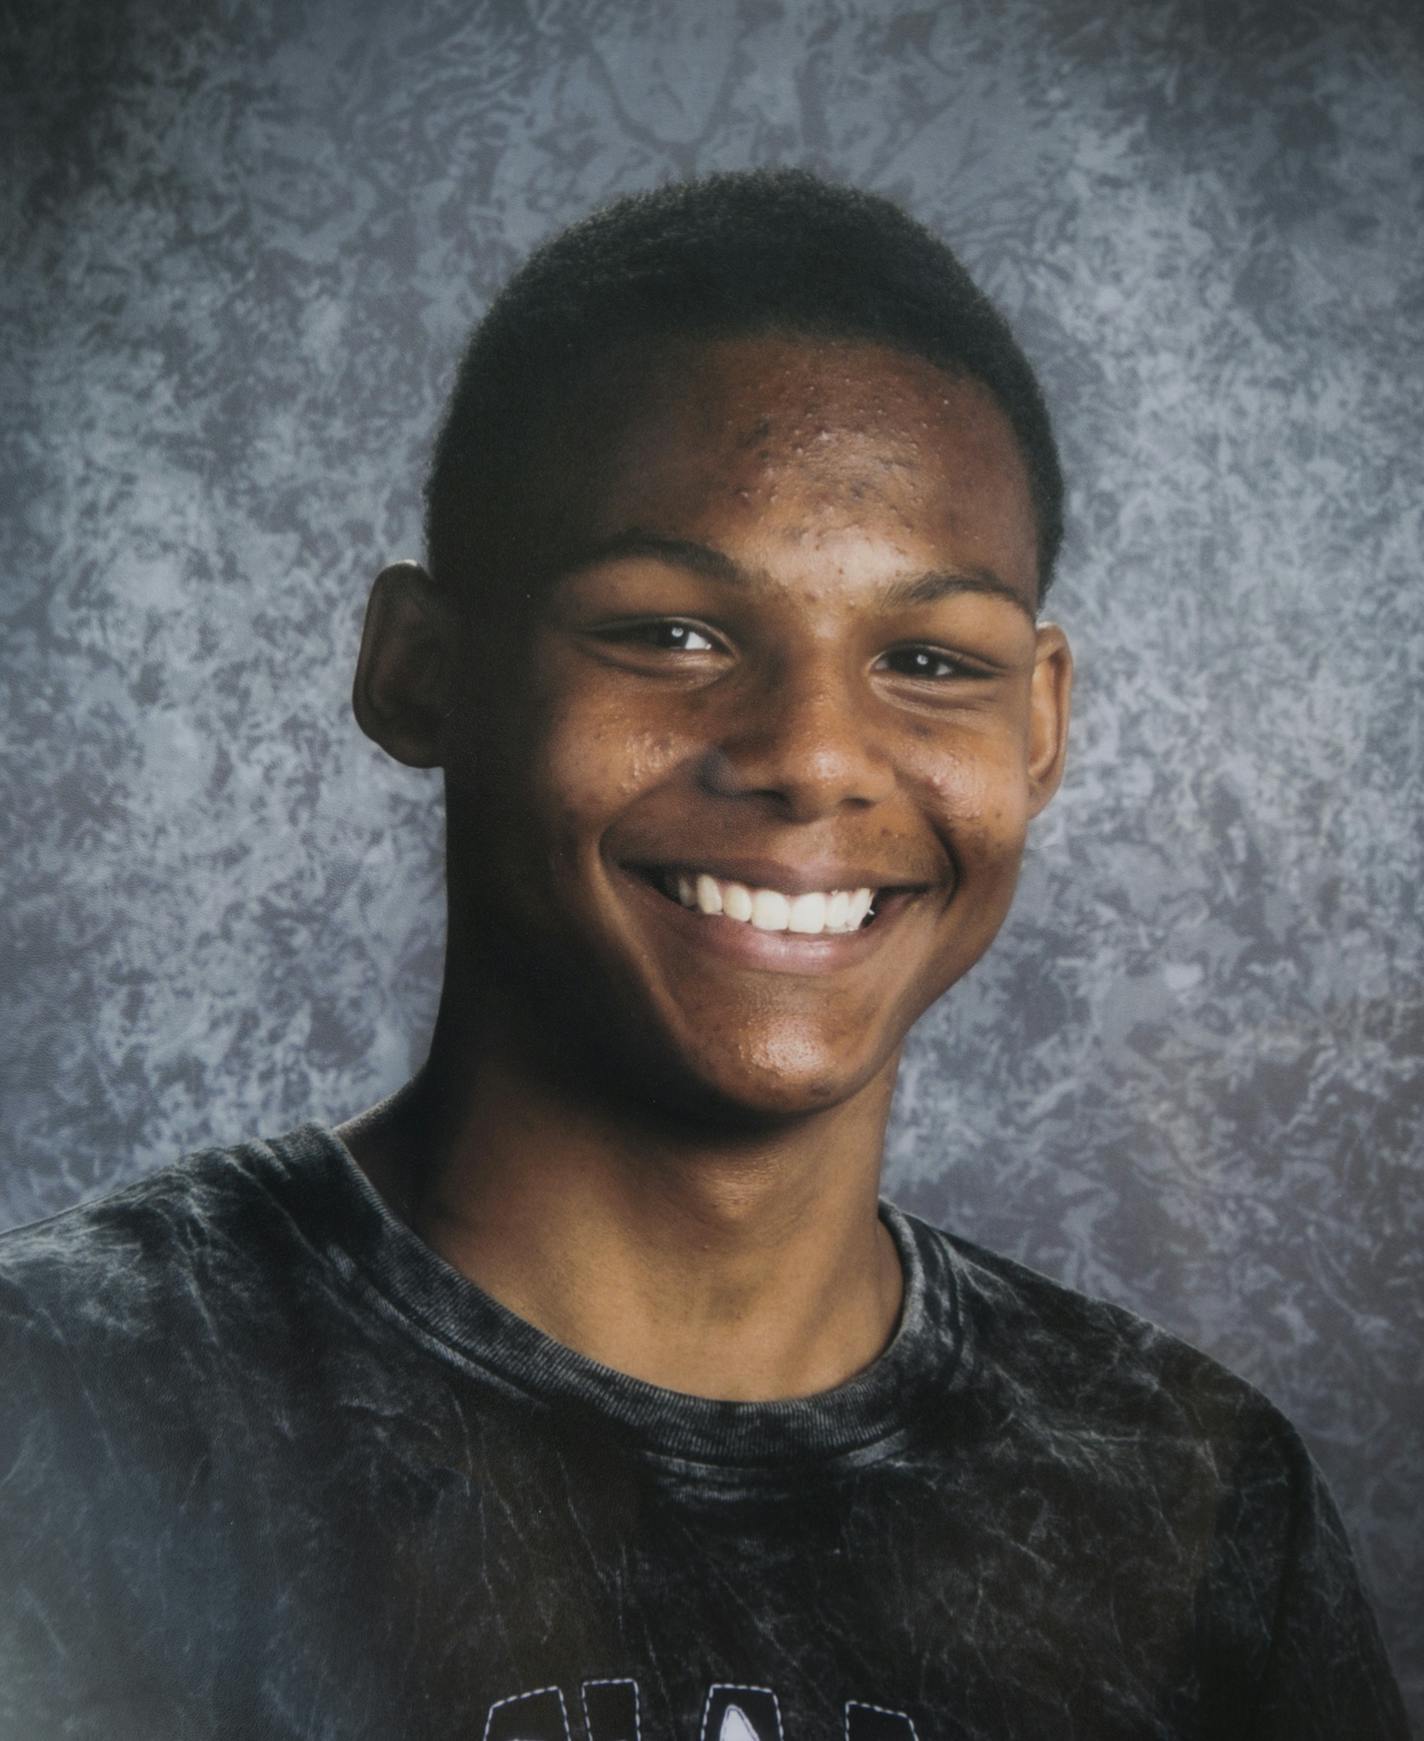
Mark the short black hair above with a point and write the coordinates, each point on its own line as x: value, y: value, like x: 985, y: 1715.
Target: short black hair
x: 743, y: 252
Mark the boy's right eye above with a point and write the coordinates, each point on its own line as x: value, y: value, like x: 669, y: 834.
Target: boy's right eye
x: 664, y: 634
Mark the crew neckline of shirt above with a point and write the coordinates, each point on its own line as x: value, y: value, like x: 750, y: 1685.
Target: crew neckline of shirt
x: 344, y: 1217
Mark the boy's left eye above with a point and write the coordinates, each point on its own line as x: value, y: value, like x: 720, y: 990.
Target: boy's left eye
x: 924, y: 662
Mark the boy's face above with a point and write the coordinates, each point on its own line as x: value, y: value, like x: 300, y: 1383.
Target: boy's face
x: 785, y: 641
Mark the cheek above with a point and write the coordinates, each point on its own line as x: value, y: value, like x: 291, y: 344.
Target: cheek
x: 978, y: 794
x: 588, y: 764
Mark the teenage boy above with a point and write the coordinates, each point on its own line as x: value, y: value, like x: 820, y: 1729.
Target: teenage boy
x: 585, y: 1389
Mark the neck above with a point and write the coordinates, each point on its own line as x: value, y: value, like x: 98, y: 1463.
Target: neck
x: 748, y: 1264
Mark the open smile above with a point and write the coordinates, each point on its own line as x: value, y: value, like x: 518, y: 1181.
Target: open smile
x: 811, y: 913
x: 796, y: 929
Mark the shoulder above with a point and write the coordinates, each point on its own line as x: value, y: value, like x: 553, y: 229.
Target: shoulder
x: 136, y: 1339
x: 135, y: 1304
x: 1182, y: 1479
x: 1103, y: 1390
x: 108, y: 1266
x: 148, y: 1339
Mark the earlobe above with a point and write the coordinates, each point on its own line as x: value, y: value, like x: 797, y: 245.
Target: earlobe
x: 1049, y: 704
x: 401, y: 696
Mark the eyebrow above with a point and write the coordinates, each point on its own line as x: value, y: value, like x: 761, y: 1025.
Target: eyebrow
x: 914, y: 589
x: 928, y: 588
x: 679, y: 552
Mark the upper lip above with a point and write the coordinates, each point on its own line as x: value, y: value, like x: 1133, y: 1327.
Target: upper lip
x: 806, y: 877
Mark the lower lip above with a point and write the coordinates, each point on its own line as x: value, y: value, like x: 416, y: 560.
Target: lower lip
x: 772, y: 951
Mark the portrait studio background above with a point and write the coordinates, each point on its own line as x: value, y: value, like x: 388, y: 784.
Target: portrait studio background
x: 243, y: 244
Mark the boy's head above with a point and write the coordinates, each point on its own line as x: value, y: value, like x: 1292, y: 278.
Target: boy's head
x: 742, y: 253
x: 742, y: 785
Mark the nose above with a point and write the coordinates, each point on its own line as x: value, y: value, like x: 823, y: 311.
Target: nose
x: 805, y: 743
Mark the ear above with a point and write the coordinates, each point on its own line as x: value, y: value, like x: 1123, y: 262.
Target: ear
x: 1050, y: 695
x: 402, y: 694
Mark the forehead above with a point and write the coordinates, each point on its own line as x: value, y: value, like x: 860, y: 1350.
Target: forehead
x: 771, y: 438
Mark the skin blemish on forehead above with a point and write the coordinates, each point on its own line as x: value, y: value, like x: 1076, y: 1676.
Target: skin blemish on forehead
x: 850, y: 430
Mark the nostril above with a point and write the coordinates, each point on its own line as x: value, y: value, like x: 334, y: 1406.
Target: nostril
x: 805, y: 778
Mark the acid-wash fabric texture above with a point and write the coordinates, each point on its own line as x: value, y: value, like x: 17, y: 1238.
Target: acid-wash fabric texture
x: 270, y: 1467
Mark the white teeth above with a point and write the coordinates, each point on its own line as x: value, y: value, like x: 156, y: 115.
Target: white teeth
x: 737, y: 901
x: 859, y: 907
x: 810, y: 915
x: 709, y: 896
x: 770, y: 911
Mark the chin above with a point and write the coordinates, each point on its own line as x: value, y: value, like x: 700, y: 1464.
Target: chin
x: 773, y: 1083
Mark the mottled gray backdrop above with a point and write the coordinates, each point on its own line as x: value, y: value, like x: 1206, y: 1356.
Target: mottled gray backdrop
x: 242, y: 241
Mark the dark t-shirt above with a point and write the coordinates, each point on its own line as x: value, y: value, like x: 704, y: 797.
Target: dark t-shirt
x: 270, y: 1468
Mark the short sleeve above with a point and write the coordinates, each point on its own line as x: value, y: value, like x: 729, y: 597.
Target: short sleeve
x: 1326, y: 1674
x: 66, y: 1664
